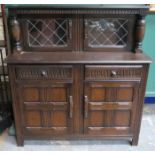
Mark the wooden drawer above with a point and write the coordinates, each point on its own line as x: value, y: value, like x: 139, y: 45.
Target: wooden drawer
x: 107, y: 72
x: 37, y: 72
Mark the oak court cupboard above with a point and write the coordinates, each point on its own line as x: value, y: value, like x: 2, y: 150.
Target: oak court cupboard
x: 77, y: 71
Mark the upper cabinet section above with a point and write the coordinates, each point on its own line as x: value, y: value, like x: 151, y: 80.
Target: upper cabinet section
x: 51, y: 28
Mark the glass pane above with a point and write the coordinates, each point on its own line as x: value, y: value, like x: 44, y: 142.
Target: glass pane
x: 107, y: 32
x: 48, y: 32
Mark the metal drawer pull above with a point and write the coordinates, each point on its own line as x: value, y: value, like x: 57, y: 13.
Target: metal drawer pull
x: 44, y: 73
x: 71, y: 106
x: 86, y: 107
x: 113, y: 73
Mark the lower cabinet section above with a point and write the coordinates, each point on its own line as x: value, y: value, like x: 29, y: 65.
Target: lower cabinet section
x: 77, y: 101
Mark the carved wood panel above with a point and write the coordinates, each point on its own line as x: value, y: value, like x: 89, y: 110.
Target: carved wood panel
x: 62, y: 11
x: 33, y: 118
x: 105, y: 72
x: 43, y: 72
x: 109, y: 107
x: 47, y: 107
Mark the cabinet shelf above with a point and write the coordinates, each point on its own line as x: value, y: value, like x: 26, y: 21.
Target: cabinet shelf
x: 76, y: 58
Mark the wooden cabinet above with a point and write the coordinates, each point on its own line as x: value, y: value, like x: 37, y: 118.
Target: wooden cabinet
x: 77, y: 71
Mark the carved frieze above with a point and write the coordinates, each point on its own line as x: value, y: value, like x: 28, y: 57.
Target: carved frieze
x: 104, y: 73
x: 78, y: 11
x: 43, y: 73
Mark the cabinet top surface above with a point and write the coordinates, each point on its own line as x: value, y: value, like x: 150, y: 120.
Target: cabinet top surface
x: 77, y: 58
x: 82, y: 6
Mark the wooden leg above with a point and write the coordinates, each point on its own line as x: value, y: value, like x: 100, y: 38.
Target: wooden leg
x: 134, y: 141
x: 20, y: 141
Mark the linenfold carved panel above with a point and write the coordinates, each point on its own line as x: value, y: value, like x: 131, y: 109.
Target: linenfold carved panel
x: 102, y: 72
x: 43, y: 73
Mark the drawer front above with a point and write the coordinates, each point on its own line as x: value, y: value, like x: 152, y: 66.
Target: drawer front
x: 43, y: 72
x: 107, y: 72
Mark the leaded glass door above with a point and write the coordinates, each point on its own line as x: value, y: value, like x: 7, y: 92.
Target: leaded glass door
x: 112, y: 32
x: 47, y: 34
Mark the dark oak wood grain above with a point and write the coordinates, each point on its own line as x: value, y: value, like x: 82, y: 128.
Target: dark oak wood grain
x: 77, y: 72
x: 77, y: 57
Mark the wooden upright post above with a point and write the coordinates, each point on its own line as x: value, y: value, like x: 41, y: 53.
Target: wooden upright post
x: 16, y: 34
x: 140, y: 30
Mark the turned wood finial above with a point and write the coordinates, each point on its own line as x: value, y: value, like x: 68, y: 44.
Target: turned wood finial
x: 140, y: 30
x: 15, y: 27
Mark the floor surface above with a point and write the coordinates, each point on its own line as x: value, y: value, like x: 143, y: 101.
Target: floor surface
x: 146, y: 140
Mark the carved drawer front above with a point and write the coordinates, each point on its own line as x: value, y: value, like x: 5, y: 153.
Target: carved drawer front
x: 43, y: 72
x: 107, y: 72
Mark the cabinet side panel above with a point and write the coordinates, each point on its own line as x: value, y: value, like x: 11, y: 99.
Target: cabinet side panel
x: 16, y: 107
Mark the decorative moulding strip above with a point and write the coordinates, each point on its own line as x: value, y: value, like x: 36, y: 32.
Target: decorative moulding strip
x: 78, y: 11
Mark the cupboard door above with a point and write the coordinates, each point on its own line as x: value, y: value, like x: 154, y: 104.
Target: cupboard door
x: 47, y: 108
x: 52, y: 33
x: 108, y: 32
x: 109, y: 108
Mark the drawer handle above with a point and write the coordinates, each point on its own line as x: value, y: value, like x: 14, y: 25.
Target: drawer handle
x: 44, y: 73
x: 71, y: 106
x: 113, y: 73
x: 86, y: 107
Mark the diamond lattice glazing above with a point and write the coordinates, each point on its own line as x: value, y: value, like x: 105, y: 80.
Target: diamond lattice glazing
x: 107, y: 32
x: 47, y: 32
